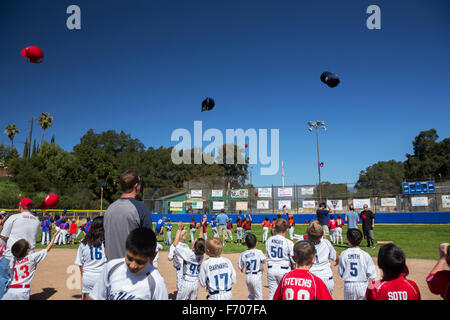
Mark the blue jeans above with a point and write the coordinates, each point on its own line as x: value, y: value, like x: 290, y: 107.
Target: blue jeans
x: 4, y: 275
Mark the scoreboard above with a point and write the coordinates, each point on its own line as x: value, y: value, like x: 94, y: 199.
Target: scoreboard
x: 418, y: 187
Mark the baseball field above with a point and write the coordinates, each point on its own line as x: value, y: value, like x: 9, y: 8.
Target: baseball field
x: 57, y: 277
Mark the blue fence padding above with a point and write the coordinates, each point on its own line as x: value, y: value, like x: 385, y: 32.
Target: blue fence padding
x: 394, y: 217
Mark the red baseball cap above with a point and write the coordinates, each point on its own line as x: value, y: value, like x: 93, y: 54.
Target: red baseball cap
x: 26, y: 203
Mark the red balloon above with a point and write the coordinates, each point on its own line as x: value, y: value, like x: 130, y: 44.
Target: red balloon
x: 251, y: 167
x: 246, y: 145
x: 50, y: 201
x: 33, y: 54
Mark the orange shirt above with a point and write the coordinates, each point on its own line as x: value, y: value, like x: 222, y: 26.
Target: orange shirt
x: 274, y: 223
x: 291, y: 222
x: 266, y: 224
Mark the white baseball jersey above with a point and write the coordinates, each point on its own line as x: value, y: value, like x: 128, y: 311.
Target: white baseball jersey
x: 22, y: 271
x: 252, y: 261
x: 218, y: 276
x: 116, y: 282
x: 280, y: 253
x: 93, y: 260
x: 322, y: 266
x: 155, y: 260
x: 356, y: 268
x: 177, y: 262
x: 191, y: 271
x: 20, y: 226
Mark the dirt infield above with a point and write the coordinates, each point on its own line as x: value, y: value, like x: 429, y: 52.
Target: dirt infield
x: 54, y: 277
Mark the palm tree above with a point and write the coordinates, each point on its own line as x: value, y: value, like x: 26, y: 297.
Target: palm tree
x: 11, y: 130
x: 45, y: 121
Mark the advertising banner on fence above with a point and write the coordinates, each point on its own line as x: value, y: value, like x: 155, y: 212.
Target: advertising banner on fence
x: 265, y: 192
x: 241, y: 205
x: 196, y: 193
x: 197, y: 205
x: 388, y: 202
x: 282, y: 203
x: 307, y: 190
x: 419, y: 201
x: 176, y: 204
x: 216, y: 193
x: 309, y: 204
x: 239, y: 193
x: 335, y: 204
x: 446, y: 201
x: 359, y: 203
x: 218, y: 205
x: 262, y: 204
x: 285, y: 192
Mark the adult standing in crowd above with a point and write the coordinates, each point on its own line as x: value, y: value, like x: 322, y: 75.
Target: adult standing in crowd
x: 351, y: 218
x: 124, y: 215
x: 322, y: 217
x: 23, y: 225
x: 368, y: 223
x: 222, y: 220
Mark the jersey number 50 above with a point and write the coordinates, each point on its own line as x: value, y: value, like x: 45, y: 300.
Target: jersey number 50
x: 276, y: 252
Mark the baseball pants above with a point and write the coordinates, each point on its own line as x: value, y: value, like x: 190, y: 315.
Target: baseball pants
x: 329, y: 282
x: 229, y: 235
x: 265, y: 233
x: 338, y: 235
x: 291, y: 233
x: 188, y: 290
x: 17, y: 294
x: 221, y: 295
x: 179, y: 278
x: 45, y: 237
x: 355, y: 290
x: 88, y: 280
x: 239, y: 233
x: 274, y: 275
x: 169, y: 237
x: 192, y: 235
x: 333, y: 235
x: 215, y: 232
x: 254, y: 285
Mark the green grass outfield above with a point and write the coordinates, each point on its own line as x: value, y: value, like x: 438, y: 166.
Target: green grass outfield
x: 419, y: 241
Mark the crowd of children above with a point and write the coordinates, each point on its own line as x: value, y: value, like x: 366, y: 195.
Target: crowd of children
x: 298, y: 268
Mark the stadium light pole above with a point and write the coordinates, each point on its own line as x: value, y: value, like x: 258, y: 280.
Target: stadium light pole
x: 316, y: 125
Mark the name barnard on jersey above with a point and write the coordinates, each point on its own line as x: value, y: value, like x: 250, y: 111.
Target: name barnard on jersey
x: 218, y: 266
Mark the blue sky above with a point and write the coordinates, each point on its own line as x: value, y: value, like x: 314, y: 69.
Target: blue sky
x: 145, y: 66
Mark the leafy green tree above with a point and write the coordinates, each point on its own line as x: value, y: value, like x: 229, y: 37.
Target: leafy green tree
x: 331, y: 190
x: 45, y: 121
x: 382, y: 178
x: 11, y: 131
x: 431, y: 159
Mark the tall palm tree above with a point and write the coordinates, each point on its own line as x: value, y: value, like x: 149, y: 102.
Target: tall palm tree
x: 45, y: 121
x: 11, y: 130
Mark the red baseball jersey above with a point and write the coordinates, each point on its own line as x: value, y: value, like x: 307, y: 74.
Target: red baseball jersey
x: 439, y: 283
x: 332, y: 224
x: 397, y: 289
x: 300, y: 284
x: 339, y: 223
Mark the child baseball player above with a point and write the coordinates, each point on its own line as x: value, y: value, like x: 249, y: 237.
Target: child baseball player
x: 169, y: 232
x: 176, y: 259
x: 91, y: 256
x: 192, y: 260
x: 291, y: 223
x: 300, y: 283
x: 393, y: 285
x: 324, y: 253
x: 217, y: 273
x: 339, y: 226
x: 439, y: 279
x: 247, y: 225
x: 73, y: 231
x: 265, y: 226
x: 214, y: 227
x: 45, y: 225
x: 279, y: 252
x: 204, y: 227
x: 251, y: 262
x: 155, y: 260
x: 192, y: 228
x: 133, y: 277
x: 229, y: 230
x: 63, y: 226
x: 23, y: 267
x: 274, y: 222
x: 332, y: 227
x: 356, y: 267
x: 159, y: 228
x: 239, y: 229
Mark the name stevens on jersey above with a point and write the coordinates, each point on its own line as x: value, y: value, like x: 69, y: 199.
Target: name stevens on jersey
x: 298, y: 282
x: 218, y: 266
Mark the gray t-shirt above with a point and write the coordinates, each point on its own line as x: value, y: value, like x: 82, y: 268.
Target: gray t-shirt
x: 123, y: 216
x: 352, y: 218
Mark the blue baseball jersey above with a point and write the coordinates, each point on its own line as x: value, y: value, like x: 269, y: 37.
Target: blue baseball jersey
x: 169, y: 226
x: 213, y: 224
x: 88, y: 226
x: 58, y: 222
x: 159, y: 224
x: 45, y: 225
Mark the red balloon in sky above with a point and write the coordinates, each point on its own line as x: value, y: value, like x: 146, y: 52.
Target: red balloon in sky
x: 246, y: 145
x: 50, y: 201
x: 251, y: 167
x: 33, y: 54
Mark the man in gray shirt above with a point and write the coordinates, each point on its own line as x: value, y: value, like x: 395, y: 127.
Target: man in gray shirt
x: 351, y: 217
x: 124, y: 215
